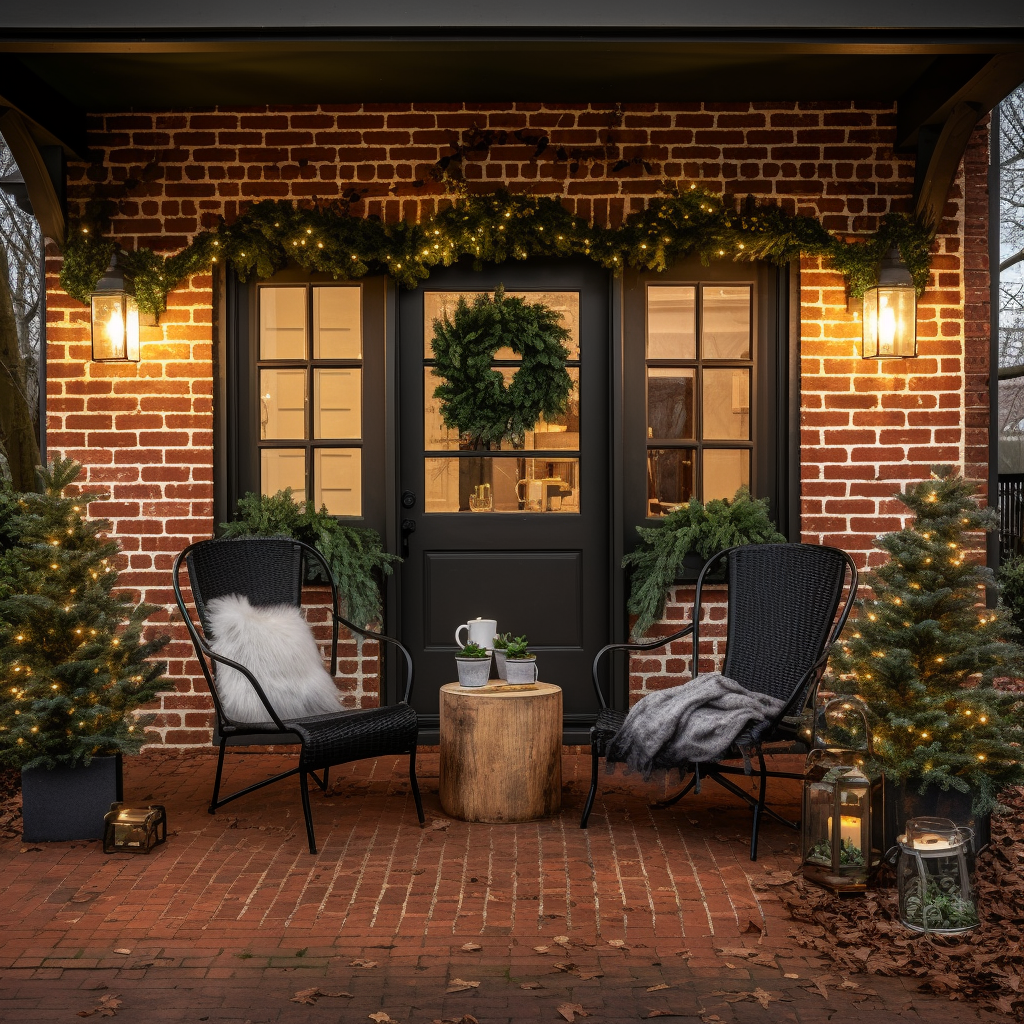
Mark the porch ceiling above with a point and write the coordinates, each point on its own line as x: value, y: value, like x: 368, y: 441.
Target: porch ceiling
x: 54, y: 76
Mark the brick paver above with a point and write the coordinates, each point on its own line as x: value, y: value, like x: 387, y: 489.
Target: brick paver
x: 233, y: 916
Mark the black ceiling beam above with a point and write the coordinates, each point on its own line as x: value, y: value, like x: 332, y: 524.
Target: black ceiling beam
x: 952, y: 81
x: 52, y: 119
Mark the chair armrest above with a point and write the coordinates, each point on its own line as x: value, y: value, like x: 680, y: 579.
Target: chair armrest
x: 650, y: 645
x: 381, y: 638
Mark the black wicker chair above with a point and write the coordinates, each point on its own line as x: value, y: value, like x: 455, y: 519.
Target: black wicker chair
x: 269, y: 571
x: 782, y: 621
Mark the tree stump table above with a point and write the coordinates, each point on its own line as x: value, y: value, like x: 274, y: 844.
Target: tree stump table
x: 501, y: 753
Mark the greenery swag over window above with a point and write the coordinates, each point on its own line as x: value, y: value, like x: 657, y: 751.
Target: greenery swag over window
x: 490, y: 229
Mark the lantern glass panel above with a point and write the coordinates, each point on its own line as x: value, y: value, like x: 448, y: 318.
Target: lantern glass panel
x: 109, y: 327
x: 890, y: 322
x: 933, y: 877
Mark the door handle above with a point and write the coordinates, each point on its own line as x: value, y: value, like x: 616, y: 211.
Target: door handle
x: 408, y: 527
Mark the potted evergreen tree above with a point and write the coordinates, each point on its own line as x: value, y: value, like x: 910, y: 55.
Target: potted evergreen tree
x: 73, y: 664
x: 924, y: 653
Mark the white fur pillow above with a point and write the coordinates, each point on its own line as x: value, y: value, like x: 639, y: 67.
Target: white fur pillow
x: 276, y: 645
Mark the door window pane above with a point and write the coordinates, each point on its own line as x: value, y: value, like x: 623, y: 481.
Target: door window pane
x: 336, y: 403
x: 726, y: 405
x: 281, y: 468
x: 670, y: 403
x: 725, y: 320
x: 282, y: 323
x: 283, y: 404
x: 490, y: 484
x: 561, y: 432
x: 567, y: 304
x: 337, y: 321
x: 726, y: 470
x: 669, y: 479
x: 671, y: 326
x: 337, y: 480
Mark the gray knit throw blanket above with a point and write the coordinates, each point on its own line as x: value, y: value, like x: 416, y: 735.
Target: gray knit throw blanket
x: 690, y: 724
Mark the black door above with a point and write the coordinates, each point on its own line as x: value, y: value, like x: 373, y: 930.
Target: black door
x: 520, y: 535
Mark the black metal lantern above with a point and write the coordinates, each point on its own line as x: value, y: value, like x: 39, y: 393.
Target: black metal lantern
x: 115, y: 317
x: 933, y: 874
x: 836, y: 822
x: 134, y: 829
x: 890, y: 312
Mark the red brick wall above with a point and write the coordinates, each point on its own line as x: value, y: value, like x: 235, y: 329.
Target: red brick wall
x: 145, y: 431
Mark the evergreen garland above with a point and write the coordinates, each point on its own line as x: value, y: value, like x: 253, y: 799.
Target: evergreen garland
x: 73, y: 664
x: 473, y: 397
x: 695, y: 528
x: 489, y: 228
x: 923, y: 653
x: 355, y: 555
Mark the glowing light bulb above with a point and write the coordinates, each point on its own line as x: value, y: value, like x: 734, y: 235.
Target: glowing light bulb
x: 886, y: 327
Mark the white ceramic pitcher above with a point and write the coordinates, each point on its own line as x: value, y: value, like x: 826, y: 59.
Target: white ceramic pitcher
x: 479, y: 631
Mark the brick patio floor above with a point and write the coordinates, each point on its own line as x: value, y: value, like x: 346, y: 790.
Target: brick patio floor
x: 233, y: 916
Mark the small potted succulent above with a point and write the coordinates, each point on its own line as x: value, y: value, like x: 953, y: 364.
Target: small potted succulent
x: 501, y: 641
x: 474, y: 665
x: 520, y: 664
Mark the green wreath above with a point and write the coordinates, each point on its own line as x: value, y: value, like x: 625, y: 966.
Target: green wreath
x: 474, y: 398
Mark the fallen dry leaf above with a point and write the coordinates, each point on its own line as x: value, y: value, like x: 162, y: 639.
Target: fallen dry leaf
x: 460, y: 985
x: 570, y: 1011
x: 366, y: 964
x: 529, y: 984
x: 658, y: 988
x: 562, y: 940
x: 108, y: 1006
x: 764, y: 997
x: 565, y: 967
x: 753, y: 926
x: 309, y: 996
x: 587, y: 975
x: 666, y: 1013
x: 123, y: 952
x: 616, y: 942
x: 472, y: 947
x: 541, y: 949
x: 382, y: 1018
x: 791, y: 975
x: 439, y: 824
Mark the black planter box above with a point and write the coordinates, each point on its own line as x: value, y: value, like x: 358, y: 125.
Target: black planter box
x: 692, y: 565
x: 897, y: 802
x: 58, y: 804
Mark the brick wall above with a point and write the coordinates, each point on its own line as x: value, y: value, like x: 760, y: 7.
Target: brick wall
x: 145, y: 431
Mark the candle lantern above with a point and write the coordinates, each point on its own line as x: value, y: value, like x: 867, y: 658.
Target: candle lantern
x: 836, y: 821
x: 115, y: 317
x: 933, y: 875
x: 134, y: 829
x: 890, y: 312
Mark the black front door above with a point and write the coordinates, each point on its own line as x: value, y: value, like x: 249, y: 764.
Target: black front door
x: 520, y: 535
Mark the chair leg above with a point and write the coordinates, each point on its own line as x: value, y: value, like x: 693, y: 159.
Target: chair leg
x: 673, y: 800
x: 415, y: 785
x: 327, y: 779
x: 759, y: 806
x: 216, y: 780
x: 304, y: 792
x: 589, y: 805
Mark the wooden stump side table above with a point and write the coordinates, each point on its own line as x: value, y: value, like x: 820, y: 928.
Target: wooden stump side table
x: 501, y: 753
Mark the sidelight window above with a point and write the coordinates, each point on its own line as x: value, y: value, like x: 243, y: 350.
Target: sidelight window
x: 699, y: 379
x: 310, y: 379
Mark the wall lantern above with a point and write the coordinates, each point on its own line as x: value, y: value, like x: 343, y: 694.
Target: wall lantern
x: 890, y: 312
x: 115, y: 318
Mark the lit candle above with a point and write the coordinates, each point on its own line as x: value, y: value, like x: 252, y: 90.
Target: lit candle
x: 849, y: 830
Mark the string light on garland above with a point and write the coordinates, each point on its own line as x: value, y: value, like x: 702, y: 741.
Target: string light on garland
x: 492, y: 228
